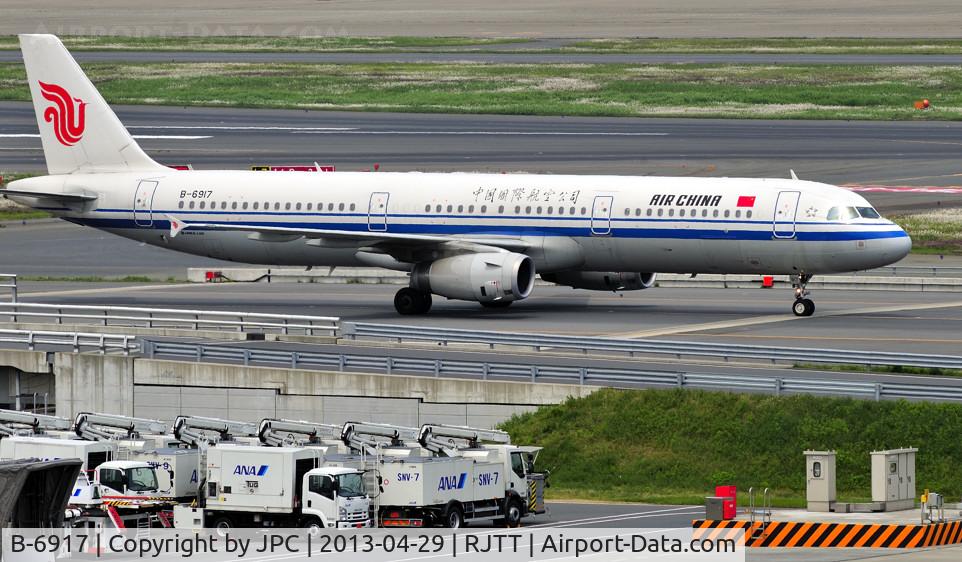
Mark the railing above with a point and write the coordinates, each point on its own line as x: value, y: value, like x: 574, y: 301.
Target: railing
x: 548, y: 373
x: 8, y: 281
x: 914, y: 271
x: 78, y: 341
x: 541, y: 342
x: 168, y: 318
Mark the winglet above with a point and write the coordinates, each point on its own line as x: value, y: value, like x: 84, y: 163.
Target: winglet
x: 794, y: 177
x: 176, y: 225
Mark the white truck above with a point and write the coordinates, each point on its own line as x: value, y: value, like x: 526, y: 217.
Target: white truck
x: 248, y: 486
x: 473, y: 481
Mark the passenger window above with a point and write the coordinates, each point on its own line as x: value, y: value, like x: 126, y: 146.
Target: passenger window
x: 484, y: 209
x: 704, y: 212
x: 833, y: 214
x: 727, y: 213
x: 573, y: 211
x: 340, y: 207
x: 460, y: 208
x: 180, y: 205
x: 330, y: 206
x: 287, y: 206
x: 714, y: 213
x: 561, y: 210
x: 450, y: 208
x: 427, y: 208
x: 309, y: 205
x: 738, y: 214
x: 223, y: 204
x: 539, y: 210
x: 297, y: 207
x: 233, y: 205
x: 584, y: 210
x: 244, y: 205
x: 681, y: 212
x: 648, y: 212
x: 277, y: 206
x: 256, y: 205
x: 627, y: 212
x: 671, y: 212
x: 550, y: 209
x: 471, y: 208
x: 191, y: 205
x: 527, y: 210
x: 203, y: 204
x: 661, y: 212
x: 748, y: 214
x: 438, y: 209
x: 517, y: 210
x: 353, y: 206
x: 320, y: 206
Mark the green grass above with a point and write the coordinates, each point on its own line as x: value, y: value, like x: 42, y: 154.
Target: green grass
x: 674, y: 446
x: 895, y: 369
x: 797, y: 45
x: 265, y: 43
x: 95, y: 279
x: 21, y: 213
x: 934, y: 232
x: 744, y: 91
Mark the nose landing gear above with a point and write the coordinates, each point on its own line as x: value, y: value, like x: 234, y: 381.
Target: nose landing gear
x: 803, y: 305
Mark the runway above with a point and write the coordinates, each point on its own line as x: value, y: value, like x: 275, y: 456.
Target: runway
x: 492, y: 57
x: 915, y: 322
x: 862, y: 152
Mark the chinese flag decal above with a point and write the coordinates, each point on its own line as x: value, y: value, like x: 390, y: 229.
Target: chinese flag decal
x: 746, y: 200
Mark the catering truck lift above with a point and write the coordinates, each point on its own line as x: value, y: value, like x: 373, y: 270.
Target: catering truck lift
x: 484, y: 478
x: 253, y: 486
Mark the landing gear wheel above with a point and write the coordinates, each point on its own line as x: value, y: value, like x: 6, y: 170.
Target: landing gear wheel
x: 408, y: 301
x: 803, y: 307
x: 496, y: 304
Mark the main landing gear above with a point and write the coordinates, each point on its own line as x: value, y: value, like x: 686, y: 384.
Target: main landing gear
x: 803, y: 305
x: 410, y: 301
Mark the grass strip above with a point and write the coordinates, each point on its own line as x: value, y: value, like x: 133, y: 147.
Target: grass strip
x: 330, y: 44
x: 732, y: 91
x: 674, y: 446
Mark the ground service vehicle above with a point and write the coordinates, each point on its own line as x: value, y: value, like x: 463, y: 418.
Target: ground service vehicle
x: 279, y: 487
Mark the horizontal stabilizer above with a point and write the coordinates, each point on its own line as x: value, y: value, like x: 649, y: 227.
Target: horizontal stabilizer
x: 58, y: 196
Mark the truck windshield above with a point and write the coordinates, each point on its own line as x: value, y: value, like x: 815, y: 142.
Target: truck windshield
x: 141, y: 479
x: 349, y: 485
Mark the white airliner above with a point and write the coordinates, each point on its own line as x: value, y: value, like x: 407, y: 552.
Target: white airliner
x: 474, y: 237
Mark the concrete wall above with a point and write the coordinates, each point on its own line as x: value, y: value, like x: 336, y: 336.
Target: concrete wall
x: 162, y: 389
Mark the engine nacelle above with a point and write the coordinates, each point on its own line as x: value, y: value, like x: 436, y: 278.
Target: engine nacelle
x: 602, y: 280
x: 503, y: 276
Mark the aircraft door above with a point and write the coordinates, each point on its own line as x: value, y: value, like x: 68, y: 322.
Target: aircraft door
x: 601, y: 215
x: 143, y: 203
x: 786, y: 207
x: 377, y: 212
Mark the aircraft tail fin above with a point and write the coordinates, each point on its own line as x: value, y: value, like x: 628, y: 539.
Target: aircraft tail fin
x: 79, y: 131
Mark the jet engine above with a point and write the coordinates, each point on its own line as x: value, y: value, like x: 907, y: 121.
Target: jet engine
x: 602, y: 280
x: 497, y: 276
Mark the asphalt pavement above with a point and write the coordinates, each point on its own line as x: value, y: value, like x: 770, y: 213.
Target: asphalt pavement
x: 860, y: 152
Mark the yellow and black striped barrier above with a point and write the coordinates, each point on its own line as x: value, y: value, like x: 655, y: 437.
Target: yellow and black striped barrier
x: 793, y: 534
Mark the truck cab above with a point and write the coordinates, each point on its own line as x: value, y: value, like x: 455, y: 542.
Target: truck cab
x: 127, y: 479
x: 335, y: 498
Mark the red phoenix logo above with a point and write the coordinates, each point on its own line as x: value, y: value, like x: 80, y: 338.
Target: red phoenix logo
x: 67, y: 113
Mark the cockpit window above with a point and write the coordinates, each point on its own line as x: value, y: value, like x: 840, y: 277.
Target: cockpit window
x: 849, y: 213
x: 868, y: 213
x: 833, y: 214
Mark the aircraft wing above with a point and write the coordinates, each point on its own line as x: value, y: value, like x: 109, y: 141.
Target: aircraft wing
x: 369, y: 237
x: 57, y: 196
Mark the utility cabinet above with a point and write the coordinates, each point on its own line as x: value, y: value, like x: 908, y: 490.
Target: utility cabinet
x: 820, y: 480
x: 893, y: 478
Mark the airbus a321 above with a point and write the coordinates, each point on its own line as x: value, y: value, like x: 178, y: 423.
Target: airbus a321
x: 473, y: 237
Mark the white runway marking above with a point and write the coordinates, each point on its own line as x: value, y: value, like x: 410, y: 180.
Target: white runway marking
x: 504, y: 133
x: 239, y: 128
x: 169, y: 137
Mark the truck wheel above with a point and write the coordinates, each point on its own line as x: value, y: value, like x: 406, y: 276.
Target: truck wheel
x: 453, y: 517
x: 512, y: 513
x: 313, y: 526
x: 222, y: 525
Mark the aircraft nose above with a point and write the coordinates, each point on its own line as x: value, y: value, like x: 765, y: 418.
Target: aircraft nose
x: 897, y: 247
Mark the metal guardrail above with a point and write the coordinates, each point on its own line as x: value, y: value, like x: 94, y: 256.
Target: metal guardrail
x: 78, y: 341
x: 541, y: 342
x: 549, y: 373
x: 169, y: 318
x: 8, y: 281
